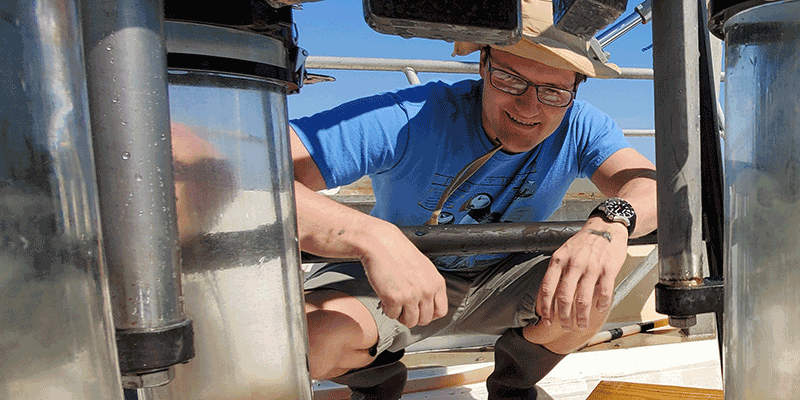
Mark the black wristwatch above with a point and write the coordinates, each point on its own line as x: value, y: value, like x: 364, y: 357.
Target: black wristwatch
x: 616, y: 209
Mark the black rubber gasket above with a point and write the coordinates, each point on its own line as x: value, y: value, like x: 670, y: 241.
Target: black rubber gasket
x: 146, y: 351
x: 198, y: 62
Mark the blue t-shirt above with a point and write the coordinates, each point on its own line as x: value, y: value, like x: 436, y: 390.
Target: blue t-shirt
x: 414, y: 141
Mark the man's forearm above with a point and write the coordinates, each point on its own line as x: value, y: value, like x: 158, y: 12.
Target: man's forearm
x: 327, y: 228
x: 413, y: 294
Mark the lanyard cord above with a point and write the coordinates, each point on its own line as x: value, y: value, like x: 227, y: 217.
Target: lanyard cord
x: 460, y: 178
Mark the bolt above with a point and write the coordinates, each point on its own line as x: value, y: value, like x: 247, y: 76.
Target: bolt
x: 683, y: 322
x: 152, y: 379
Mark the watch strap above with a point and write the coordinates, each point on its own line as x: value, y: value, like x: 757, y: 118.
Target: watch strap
x: 616, y: 209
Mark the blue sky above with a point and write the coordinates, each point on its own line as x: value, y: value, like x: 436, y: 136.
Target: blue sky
x: 337, y: 28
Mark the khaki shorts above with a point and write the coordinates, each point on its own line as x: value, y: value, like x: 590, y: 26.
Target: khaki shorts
x: 490, y: 301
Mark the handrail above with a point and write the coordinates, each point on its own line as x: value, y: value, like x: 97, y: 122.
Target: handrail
x: 411, y: 66
x: 420, y: 65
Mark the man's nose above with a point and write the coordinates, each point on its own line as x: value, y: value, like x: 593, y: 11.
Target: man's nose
x: 528, y: 103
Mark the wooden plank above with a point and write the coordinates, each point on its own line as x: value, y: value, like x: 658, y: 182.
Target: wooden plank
x: 612, y: 390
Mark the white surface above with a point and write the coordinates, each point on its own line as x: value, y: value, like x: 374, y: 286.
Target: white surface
x: 688, y: 364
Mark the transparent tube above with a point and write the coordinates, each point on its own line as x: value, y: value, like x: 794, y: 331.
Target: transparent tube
x: 56, y: 334
x: 762, y: 173
x: 233, y: 173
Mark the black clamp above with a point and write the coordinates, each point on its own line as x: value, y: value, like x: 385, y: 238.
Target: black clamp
x: 142, y: 351
x: 690, y: 300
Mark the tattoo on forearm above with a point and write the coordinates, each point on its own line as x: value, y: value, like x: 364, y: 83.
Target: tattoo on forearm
x: 604, y: 234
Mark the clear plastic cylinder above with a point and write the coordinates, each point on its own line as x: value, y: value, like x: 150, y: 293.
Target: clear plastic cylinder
x: 243, y: 292
x: 56, y: 332
x: 762, y: 174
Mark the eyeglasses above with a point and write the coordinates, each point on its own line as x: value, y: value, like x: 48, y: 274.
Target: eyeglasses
x: 516, y: 85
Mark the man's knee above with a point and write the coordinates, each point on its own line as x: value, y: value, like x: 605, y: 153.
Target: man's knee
x: 340, y: 333
x: 557, y: 339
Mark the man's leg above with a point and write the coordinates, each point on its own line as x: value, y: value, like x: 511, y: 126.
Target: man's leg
x: 503, y: 301
x: 340, y: 333
x: 518, y: 366
x: 352, y: 342
x: 524, y: 356
x: 342, y: 336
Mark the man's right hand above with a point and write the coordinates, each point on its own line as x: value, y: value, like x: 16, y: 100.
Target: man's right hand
x: 410, y: 288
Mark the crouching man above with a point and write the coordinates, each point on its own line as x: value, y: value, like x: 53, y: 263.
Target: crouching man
x: 526, y: 138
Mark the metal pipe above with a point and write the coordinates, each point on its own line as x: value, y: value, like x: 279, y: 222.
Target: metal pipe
x: 126, y: 67
x: 620, y: 28
x: 639, y: 132
x: 677, y: 121
x: 469, y: 239
x: 640, y: 15
x: 625, y: 287
x: 411, y: 75
x: 762, y: 161
x: 453, y: 67
x: 390, y: 64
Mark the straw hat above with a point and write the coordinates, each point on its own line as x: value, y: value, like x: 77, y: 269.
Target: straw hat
x: 543, y: 42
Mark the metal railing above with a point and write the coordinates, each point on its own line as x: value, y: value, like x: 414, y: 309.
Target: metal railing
x: 417, y: 65
x: 410, y: 67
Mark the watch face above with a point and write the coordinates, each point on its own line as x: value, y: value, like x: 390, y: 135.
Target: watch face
x: 614, y: 207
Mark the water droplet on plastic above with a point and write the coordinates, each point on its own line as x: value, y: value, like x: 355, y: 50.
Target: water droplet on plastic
x: 141, y: 212
x: 126, y: 155
x: 262, y: 260
x: 115, y: 100
x: 138, y: 178
x: 163, y: 137
x: 123, y: 123
x: 108, y: 48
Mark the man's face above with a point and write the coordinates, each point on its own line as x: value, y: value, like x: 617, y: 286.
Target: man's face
x: 521, y: 122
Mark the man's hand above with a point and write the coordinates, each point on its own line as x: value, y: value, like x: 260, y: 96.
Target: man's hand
x: 581, y: 274
x: 409, y: 286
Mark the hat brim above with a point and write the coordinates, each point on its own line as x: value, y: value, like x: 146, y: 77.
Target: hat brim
x: 556, y: 57
x: 564, y: 58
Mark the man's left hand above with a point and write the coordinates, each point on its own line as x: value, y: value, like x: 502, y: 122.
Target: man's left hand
x: 582, y: 273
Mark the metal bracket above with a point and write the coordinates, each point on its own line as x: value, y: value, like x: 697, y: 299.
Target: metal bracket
x: 597, y: 51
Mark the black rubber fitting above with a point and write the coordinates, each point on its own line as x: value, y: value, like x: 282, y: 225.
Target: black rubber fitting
x: 690, y: 300
x: 152, y: 350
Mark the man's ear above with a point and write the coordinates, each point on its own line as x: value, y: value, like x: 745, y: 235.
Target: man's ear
x: 579, y: 78
x: 482, y: 70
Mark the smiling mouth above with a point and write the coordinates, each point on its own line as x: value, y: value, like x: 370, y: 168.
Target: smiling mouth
x: 529, y: 124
